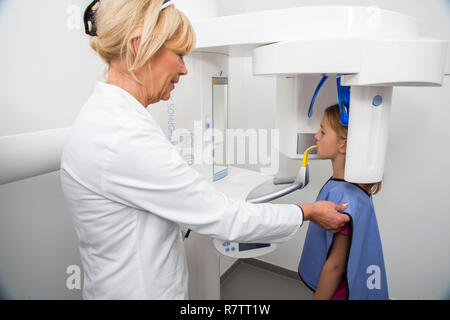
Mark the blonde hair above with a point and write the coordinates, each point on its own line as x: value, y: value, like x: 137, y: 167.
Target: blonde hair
x: 333, y: 117
x: 119, y: 22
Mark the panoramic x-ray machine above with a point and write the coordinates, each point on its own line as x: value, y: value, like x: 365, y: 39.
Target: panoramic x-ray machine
x: 324, y: 55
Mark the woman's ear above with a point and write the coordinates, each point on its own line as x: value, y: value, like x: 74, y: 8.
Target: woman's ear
x: 136, y: 43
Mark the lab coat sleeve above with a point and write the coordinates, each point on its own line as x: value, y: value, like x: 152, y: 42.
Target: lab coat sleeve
x: 143, y: 170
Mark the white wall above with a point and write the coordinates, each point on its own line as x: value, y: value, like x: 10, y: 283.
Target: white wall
x: 413, y: 216
x: 47, y: 70
x: 37, y: 240
x: 47, y: 67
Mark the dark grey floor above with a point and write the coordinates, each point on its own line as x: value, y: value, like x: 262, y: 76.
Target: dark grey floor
x: 250, y: 279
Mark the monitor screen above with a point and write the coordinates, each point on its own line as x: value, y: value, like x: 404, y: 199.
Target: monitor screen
x: 250, y: 246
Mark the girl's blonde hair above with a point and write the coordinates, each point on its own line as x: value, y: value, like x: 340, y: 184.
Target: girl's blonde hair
x: 333, y: 117
x: 119, y: 22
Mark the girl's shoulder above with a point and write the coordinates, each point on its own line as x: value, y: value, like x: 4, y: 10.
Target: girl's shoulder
x: 339, y: 186
x: 338, y: 191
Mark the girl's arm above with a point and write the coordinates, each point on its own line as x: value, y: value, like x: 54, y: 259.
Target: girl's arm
x: 334, y: 268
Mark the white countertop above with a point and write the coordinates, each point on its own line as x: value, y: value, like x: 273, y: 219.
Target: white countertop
x: 238, y: 183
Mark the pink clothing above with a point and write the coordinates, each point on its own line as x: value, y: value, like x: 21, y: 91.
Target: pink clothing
x: 341, y: 292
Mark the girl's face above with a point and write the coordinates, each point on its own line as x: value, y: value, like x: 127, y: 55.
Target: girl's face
x: 329, y: 145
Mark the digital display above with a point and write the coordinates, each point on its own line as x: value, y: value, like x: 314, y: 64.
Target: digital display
x: 250, y: 246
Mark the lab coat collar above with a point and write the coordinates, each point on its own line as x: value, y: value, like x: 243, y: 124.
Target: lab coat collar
x: 120, y: 96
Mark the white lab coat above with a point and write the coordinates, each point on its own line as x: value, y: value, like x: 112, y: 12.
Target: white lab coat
x: 129, y: 192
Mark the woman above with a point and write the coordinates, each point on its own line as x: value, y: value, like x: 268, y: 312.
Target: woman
x: 127, y: 188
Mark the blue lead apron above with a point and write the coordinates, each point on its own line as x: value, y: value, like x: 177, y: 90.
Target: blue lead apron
x: 366, y: 274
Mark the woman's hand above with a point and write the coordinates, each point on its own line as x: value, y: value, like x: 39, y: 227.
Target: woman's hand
x: 326, y: 214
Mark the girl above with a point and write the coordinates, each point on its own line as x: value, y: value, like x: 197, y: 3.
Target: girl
x: 348, y: 264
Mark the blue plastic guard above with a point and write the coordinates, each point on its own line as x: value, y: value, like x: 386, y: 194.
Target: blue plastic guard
x: 343, y: 93
x: 343, y: 100
x: 311, y: 105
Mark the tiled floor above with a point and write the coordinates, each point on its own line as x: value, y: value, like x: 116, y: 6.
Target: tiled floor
x: 247, y: 281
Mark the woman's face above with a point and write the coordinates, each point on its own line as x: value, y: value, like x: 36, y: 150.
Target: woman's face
x: 327, y: 141
x: 167, y: 67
